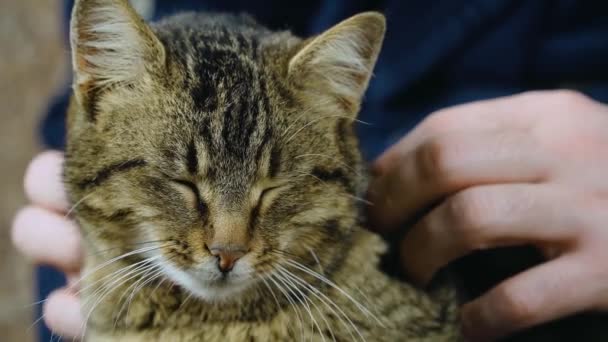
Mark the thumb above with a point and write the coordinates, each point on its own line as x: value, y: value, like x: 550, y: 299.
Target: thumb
x: 552, y: 290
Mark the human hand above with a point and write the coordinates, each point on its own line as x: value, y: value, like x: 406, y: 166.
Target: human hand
x: 43, y: 233
x: 525, y: 169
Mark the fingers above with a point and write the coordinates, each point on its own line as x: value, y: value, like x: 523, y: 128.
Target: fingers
x: 43, y: 234
x: 48, y: 238
x: 444, y: 165
x: 43, y: 181
x: 62, y: 313
x: 539, y: 295
x: 488, y: 216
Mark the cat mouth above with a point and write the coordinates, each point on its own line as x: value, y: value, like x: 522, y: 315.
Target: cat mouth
x: 219, y: 289
x: 210, y: 286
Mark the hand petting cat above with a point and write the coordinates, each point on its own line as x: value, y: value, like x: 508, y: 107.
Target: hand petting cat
x: 525, y: 169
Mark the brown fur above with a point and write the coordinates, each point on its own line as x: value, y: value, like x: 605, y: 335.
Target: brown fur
x: 205, y: 130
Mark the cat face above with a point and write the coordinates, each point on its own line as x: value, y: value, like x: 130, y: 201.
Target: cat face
x: 214, y: 148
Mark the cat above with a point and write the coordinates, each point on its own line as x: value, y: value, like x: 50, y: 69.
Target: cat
x: 216, y: 175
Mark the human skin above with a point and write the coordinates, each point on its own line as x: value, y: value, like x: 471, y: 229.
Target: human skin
x: 525, y: 169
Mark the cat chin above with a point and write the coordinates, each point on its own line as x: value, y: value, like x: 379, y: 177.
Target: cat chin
x: 210, y: 291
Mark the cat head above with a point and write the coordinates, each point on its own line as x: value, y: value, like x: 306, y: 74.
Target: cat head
x: 212, y: 147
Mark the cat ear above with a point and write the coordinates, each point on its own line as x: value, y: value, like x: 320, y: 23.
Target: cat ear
x: 340, y: 61
x: 111, y: 45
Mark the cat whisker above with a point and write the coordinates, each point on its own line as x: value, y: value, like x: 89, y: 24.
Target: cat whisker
x: 126, y: 274
x: 329, y: 303
x: 106, y: 289
x: 291, y: 276
x: 112, y: 275
x: 36, y: 321
x: 311, y: 122
x: 324, y: 279
x: 306, y: 302
x: 182, y: 305
x: 153, y: 273
x: 157, y: 272
x: 302, y: 299
x: 274, y: 296
x: 79, y: 202
x: 128, y: 245
x: 35, y: 303
x: 291, y: 302
x: 160, y: 283
x: 116, y: 273
x: 296, y: 121
x: 263, y: 279
x: 115, y: 259
x: 312, y: 252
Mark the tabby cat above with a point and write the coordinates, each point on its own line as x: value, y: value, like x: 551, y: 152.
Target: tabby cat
x: 216, y: 176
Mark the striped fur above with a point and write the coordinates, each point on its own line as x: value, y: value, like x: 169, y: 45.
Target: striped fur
x: 229, y: 132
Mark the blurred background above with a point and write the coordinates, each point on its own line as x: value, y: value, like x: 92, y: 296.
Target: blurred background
x: 33, y: 66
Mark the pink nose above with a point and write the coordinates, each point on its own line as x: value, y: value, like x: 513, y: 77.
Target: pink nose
x: 227, y: 256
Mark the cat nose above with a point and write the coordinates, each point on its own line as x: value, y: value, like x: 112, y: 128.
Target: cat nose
x: 227, y: 256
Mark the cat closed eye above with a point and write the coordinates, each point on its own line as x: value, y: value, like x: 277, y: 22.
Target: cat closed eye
x: 267, y: 195
x: 191, y: 193
x: 269, y: 191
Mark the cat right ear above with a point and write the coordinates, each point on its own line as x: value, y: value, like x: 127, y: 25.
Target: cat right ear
x: 339, y: 62
x: 111, y: 46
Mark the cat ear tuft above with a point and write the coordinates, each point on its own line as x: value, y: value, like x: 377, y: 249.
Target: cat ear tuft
x: 111, y: 45
x: 340, y: 60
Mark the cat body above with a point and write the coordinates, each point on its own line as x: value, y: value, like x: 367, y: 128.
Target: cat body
x: 216, y: 176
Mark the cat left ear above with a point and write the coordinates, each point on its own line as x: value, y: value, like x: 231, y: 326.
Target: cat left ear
x: 339, y: 62
x: 111, y: 45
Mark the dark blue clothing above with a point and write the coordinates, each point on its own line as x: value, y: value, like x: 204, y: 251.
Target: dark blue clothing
x: 437, y: 54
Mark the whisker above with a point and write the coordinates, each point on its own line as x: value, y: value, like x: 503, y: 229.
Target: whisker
x: 155, y: 270
x: 115, y: 259
x: 296, y: 309
x: 290, y: 275
x: 329, y: 303
x: 312, y: 252
x: 98, y: 252
x: 304, y: 304
x: 311, y: 122
x: 113, y: 274
x: 106, y: 289
x: 79, y: 202
x: 362, y: 308
x: 304, y: 301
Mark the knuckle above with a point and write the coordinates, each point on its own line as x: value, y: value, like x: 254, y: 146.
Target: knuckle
x: 434, y: 160
x: 518, y: 309
x: 440, y: 121
x: 470, y: 215
x: 567, y: 98
x: 561, y: 99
